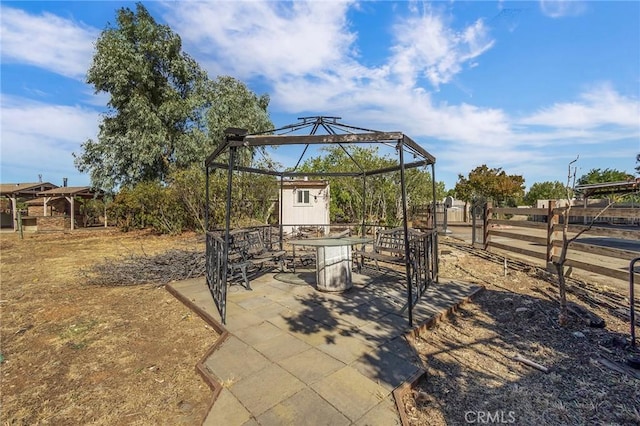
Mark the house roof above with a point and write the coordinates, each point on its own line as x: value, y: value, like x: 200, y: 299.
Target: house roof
x: 32, y: 188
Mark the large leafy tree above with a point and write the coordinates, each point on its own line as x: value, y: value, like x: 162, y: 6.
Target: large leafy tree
x: 382, y: 202
x: 495, y: 184
x: 603, y: 176
x: 157, y: 99
x: 545, y: 191
x: 234, y: 105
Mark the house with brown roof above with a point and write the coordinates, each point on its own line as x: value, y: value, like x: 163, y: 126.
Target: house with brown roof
x: 48, y: 207
x: 12, y: 193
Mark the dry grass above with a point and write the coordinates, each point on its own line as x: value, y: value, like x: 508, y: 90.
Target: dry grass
x: 81, y: 354
x: 473, y: 378
x: 84, y: 354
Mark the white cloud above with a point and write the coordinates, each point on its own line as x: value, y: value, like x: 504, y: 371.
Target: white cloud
x: 597, y: 107
x: 36, y: 135
x: 281, y: 43
x: 265, y: 39
x: 306, y: 53
x: 541, y: 145
x: 46, y: 41
x: 562, y: 8
x: 427, y: 46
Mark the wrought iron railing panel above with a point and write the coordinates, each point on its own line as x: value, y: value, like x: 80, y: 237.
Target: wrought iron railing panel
x: 422, y: 263
x: 216, y: 273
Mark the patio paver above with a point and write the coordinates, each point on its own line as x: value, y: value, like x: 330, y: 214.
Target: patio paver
x: 306, y: 405
x: 350, y: 392
x: 266, y: 388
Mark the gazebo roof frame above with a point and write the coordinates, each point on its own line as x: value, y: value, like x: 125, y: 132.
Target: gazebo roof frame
x: 239, y: 138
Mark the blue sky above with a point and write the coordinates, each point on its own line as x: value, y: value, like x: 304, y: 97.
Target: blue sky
x: 525, y: 86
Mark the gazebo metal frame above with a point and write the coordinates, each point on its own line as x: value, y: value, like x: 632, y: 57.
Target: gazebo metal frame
x: 337, y: 133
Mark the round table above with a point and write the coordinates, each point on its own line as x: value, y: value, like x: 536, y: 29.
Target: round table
x: 333, y: 261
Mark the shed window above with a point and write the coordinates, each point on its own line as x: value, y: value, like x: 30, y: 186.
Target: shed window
x: 303, y: 196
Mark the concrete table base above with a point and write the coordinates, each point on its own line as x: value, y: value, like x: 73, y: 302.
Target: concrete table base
x: 334, y: 268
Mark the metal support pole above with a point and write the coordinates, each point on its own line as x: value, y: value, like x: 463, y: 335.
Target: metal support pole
x: 227, y: 236
x: 434, y: 241
x: 364, y: 206
x: 281, y: 210
x: 407, y: 249
x: 433, y: 188
x: 486, y: 216
x: 206, y: 199
x: 632, y: 313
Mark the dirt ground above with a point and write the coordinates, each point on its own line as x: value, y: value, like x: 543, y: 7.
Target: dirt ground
x: 472, y: 376
x: 75, y: 353
x: 83, y: 354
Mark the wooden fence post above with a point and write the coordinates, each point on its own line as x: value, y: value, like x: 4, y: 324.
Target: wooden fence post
x: 552, y: 219
x: 485, y: 225
x: 20, y: 224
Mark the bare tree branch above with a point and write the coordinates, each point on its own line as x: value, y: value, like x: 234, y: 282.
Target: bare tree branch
x: 566, y: 241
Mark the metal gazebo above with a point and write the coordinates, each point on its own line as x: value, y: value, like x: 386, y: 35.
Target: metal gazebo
x: 319, y: 130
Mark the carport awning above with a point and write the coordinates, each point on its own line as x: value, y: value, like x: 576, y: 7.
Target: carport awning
x: 72, y: 191
x: 608, y: 188
x: 69, y: 193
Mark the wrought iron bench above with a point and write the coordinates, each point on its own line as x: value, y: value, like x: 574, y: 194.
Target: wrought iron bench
x: 247, y: 250
x: 388, y: 247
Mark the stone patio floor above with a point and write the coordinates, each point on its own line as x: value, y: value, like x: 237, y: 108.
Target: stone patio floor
x: 292, y: 355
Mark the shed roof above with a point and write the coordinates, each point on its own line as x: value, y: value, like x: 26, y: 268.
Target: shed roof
x: 299, y: 183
